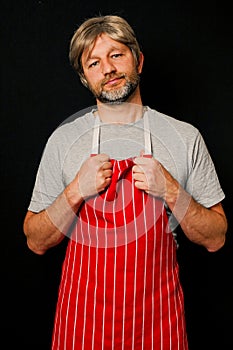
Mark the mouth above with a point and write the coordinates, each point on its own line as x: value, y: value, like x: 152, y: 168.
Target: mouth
x: 113, y: 81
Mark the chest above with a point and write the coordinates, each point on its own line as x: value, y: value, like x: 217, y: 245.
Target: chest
x: 123, y: 142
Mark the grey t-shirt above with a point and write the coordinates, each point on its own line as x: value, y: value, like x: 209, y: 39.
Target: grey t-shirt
x: 178, y: 145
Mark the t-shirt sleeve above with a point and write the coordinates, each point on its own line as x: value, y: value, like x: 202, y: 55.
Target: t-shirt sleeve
x: 48, y: 184
x: 203, y: 182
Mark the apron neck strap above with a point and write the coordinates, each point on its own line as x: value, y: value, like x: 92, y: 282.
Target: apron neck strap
x: 96, y: 136
x: 147, y: 136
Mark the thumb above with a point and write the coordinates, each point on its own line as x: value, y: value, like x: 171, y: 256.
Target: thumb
x: 142, y: 152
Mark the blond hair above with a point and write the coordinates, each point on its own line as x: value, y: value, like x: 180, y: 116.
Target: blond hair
x: 115, y: 27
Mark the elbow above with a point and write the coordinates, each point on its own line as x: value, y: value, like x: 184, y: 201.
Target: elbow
x: 36, y: 250
x: 217, y: 246
x: 30, y: 243
x: 218, y: 243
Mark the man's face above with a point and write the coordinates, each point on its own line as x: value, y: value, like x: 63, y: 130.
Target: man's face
x: 110, y: 70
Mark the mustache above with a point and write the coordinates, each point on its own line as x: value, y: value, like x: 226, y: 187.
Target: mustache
x: 112, y: 76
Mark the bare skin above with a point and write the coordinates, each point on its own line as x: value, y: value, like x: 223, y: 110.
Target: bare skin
x: 204, y: 226
x: 108, y: 68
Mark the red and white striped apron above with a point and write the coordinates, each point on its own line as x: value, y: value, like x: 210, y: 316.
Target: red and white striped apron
x: 120, y: 285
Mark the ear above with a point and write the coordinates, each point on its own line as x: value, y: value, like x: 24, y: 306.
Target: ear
x: 140, y: 63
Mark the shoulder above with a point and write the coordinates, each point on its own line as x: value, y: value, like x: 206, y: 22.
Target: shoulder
x: 168, y: 126
x: 166, y: 120
x: 73, y: 128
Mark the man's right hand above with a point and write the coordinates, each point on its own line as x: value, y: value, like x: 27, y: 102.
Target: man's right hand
x: 94, y: 175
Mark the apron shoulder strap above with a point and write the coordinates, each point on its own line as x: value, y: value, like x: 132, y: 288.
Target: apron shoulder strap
x: 147, y: 136
x: 96, y: 137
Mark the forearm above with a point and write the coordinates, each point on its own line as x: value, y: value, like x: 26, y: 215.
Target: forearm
x: 48, y: 228
x: 203, y: 226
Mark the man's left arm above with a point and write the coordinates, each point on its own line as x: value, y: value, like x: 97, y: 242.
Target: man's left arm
x: 203, y: 226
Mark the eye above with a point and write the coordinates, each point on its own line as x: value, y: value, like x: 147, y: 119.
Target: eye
x: 93, y: 64
x: 116, y: 55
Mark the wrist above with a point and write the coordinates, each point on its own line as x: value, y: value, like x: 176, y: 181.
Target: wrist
x: 183, y: 202
x: 73, y: 195
x: 172, y: 193
x: 178, y: 202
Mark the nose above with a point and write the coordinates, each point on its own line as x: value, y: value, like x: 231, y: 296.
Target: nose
x: 107, y: 66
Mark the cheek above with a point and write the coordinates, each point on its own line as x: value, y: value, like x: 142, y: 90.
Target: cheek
x: 92, y: 76
x: 94, y: 85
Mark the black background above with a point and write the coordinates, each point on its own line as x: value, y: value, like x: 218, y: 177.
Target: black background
x: 187, y: 74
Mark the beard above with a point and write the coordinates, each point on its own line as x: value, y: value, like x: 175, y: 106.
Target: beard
x: 117, y: 95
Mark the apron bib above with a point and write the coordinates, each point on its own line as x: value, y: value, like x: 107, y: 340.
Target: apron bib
x: 120, y: 285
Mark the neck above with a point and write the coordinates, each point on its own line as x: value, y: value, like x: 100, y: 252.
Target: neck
x: 123, y: 113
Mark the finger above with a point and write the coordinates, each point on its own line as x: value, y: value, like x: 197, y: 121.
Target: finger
x: 137, y: 169
x: 103, y: 157
x: 141, y: 185
x: 142, y: 152
x: 108, y: 173
x: 100, y: 158
x: 139, y: 177
x: 141, y: 160
x: 107, y: 165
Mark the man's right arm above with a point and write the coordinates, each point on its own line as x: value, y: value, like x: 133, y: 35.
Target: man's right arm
x: 47, y: 228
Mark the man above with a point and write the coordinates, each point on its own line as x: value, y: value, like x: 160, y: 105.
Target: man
x: 117, y: 181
